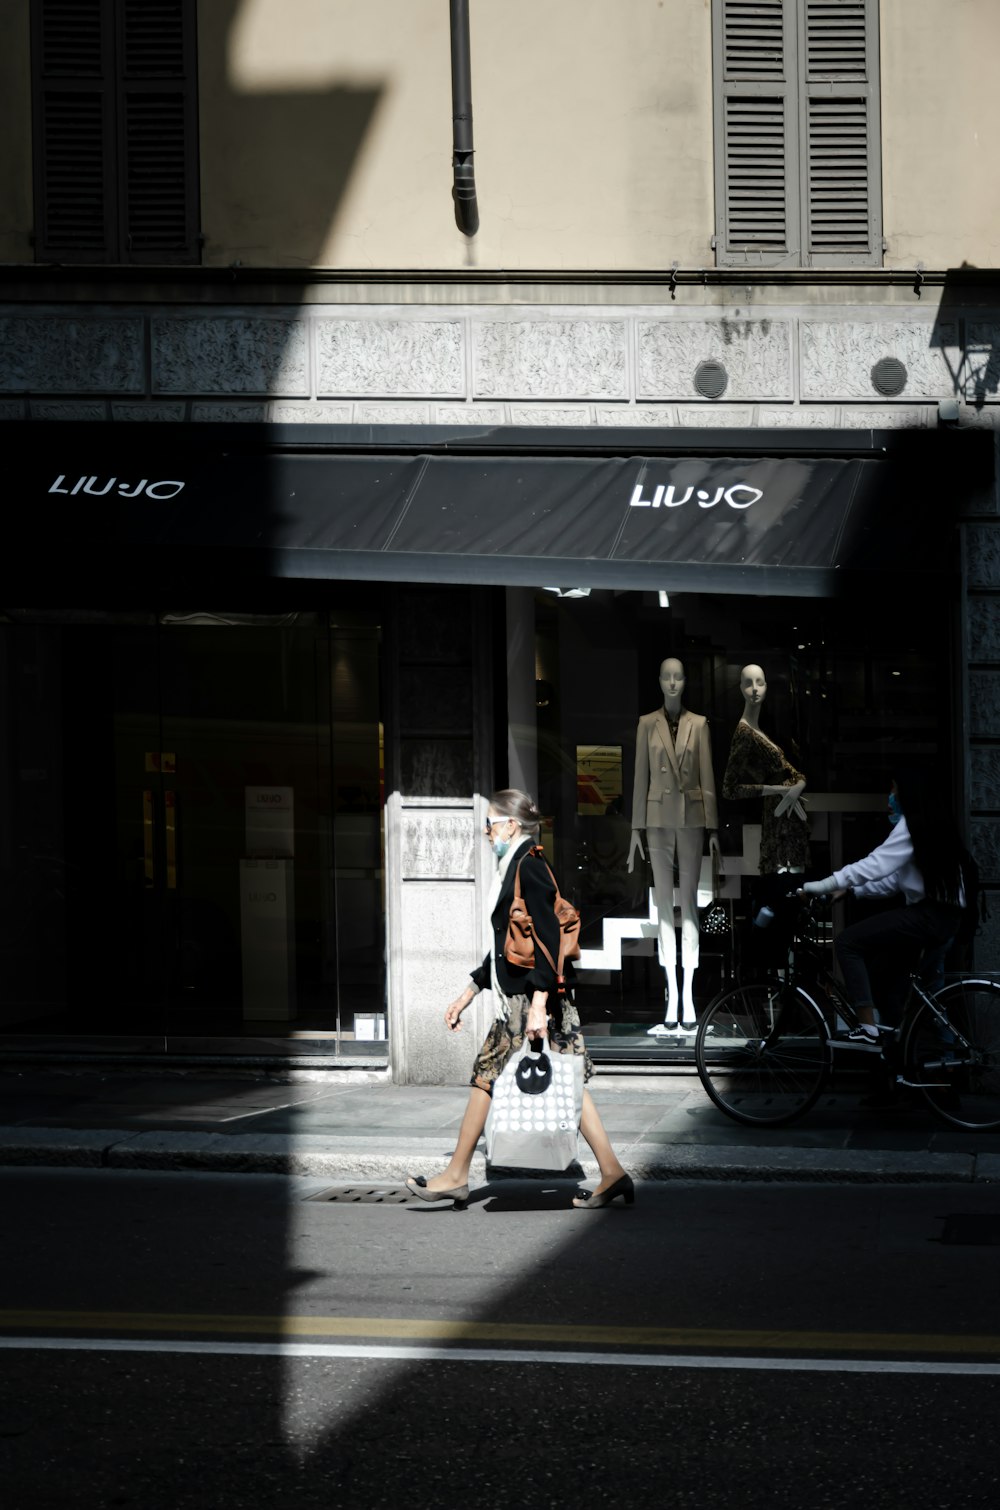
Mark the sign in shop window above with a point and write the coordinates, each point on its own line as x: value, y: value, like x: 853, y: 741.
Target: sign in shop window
x: 598, y: 778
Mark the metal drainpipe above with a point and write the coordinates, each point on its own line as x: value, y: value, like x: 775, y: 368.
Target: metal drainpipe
x: 464, y: 174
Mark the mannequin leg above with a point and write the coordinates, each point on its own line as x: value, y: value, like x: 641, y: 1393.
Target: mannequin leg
x: 690, y: 845
x: 661, y: 842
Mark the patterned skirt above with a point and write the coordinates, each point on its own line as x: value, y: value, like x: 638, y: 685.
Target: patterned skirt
x: 507, y: 1035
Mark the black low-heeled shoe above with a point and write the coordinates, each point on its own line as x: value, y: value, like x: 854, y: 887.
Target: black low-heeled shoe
x: 417, y: 1185
x: 590, y: 1200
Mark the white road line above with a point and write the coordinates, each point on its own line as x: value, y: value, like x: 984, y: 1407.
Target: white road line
x: 363, y: 1352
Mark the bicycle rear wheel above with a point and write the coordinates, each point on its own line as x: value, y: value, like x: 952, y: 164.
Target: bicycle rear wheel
x: 762, y: 1053
x: 961, y: 1084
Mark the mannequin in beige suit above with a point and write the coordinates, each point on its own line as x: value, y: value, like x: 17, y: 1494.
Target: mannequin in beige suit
x: 673, y: 799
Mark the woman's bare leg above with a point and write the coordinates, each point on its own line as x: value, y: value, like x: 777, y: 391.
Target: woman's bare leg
x: 473, y: 1122
x: 600, y: 1144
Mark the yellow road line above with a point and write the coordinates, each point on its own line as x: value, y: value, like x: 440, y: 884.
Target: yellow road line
x: 498, y: 1333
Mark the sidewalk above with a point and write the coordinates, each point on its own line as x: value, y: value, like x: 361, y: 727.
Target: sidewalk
x: 358, y: 1126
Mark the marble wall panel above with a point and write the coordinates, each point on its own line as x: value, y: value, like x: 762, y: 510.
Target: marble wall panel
x: 799, y: 417
x: 983, y: 554
x: 231, y: 414
x: 970, y: 417
x: 390, y: 358
x: 69, y: 409
x: 434, y: 624
x: 436, y: 767
x: 550, y: 359
x: 983, y: 615
x: 981, y: 367
x: 84, y: 353
x: 310, y: 414
x: 149, y: 413
x: 229, y: 354
x: 757, y: 355
x: 470, y: 414
x: 901, y: 418
x: 985, y: 789
x: 435, y: 699
x: 437, y: 845
x: 984, y: 704
x: 547, y: 414
x: 986, y: 946
x: 11, y: 408
x: 392, y: 414
x: 432, y: 967
x: 837, y: 356
x: 711, y: 416
x: 984, y: 841
x: 626, y: 416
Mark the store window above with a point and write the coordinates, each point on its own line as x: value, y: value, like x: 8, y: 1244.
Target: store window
x: 192, y: 845
x: 852, y: 687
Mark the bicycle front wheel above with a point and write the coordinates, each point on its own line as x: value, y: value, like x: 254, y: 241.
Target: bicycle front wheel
x: 762, y: 1053
x: 961, y: 1084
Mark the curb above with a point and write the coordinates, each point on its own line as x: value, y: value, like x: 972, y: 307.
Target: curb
x: 315, y: 1155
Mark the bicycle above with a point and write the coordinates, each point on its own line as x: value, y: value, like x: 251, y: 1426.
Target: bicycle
x: 764, y: 1050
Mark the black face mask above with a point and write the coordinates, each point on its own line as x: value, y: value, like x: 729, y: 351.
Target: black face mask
x: 534, y: 1074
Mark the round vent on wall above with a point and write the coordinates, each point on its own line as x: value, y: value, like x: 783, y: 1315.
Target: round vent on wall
x: 889, y: 377
x: 711, y: 379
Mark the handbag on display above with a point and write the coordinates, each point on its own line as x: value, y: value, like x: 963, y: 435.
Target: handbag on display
x: 535, y: 1109
x: 519, y: 947
x: 714, y: 921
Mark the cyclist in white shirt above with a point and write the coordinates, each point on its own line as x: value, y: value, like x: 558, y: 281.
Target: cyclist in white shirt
x: 923, y: 860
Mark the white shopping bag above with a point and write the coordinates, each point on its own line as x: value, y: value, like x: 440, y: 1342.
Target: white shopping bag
x: 534, y: 1114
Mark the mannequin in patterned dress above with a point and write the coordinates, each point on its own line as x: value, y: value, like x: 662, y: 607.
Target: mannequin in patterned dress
x: 757, y: 767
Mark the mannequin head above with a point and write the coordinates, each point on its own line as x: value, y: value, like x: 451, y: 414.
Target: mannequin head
x: 672, y: 681
x: 754, y: 690
x: 753, y: 686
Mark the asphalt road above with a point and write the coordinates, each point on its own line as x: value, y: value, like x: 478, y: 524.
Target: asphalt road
x: 197, y: 1341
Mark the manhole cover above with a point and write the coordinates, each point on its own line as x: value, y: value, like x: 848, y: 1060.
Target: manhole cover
x: 363, y: 1195
x: 972, y: 1230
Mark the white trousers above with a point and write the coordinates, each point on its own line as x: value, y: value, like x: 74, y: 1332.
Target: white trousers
x: 688, y: 844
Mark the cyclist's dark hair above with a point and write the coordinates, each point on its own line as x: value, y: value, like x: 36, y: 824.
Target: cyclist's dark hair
x: 938, y: 850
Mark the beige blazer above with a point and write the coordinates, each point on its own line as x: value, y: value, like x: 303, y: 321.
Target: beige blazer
x: 674, y: 788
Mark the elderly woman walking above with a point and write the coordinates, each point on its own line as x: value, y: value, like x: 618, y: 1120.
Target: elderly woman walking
x: 527, y: 1005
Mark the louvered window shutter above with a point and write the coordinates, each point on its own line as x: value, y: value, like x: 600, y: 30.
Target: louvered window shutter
x: 115, y: 123
x: 841, y: 179
x: 798, y: 179
x: 757, y: 208
x: 157, y: 130
x: 74, y: 125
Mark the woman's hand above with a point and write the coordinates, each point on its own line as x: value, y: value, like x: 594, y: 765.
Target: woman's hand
x: 537, y: 1022
x: 453, y: 1012
x: 635, y: 848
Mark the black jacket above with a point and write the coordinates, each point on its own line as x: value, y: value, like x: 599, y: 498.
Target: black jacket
x: 539, y: 893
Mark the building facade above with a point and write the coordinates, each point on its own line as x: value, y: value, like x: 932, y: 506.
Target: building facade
x: 336, y: 514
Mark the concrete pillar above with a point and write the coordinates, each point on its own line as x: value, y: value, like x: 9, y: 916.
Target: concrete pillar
x: 522, y: 730
x: 439, y: 773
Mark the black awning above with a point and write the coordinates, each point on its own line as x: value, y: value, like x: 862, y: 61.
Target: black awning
x: 788, y: 524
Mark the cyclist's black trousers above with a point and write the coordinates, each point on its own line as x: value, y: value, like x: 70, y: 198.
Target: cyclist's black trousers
x: 924, y: 925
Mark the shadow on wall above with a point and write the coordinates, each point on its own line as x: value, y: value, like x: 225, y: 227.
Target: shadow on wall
x: 967, y: 333
x: 297, y: 149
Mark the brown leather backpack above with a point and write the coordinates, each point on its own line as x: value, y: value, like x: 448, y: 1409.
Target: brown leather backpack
x: 519, y: 946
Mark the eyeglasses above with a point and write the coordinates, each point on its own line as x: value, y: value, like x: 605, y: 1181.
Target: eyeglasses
x: 492, y: 822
